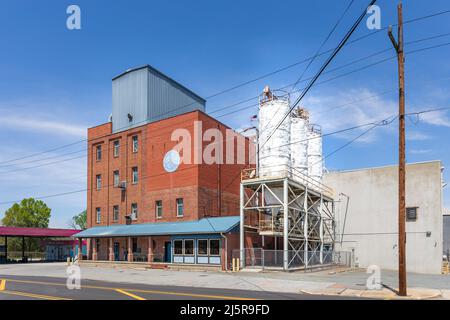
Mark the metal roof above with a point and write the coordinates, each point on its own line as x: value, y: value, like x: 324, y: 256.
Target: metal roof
x: 37, y: 232
x: 162, y: 75
x: 202, y: 226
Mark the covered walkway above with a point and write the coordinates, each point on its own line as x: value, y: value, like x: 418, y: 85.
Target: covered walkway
x: 199, y: 242
x: 56, y: 243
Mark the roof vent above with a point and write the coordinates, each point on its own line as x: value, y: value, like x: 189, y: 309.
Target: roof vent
x: 130, y: 117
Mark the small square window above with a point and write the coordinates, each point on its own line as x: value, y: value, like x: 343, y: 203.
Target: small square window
x: 411, y: 214
x: 116, y: 148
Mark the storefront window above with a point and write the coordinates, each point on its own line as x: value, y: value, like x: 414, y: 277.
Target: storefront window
x: 178, y: 247
x: 202, y: 247
x: 214, y: 247
x: 188, y: 247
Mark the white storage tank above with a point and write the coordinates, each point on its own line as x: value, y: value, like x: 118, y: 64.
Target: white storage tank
x: 299, y: 141
x: 315, y: 159
x: 274, y: 154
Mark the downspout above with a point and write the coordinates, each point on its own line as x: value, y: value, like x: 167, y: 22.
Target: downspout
x: 226, y: 251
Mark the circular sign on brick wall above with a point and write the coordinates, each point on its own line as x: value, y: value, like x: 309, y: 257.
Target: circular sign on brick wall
x: 171, y: 161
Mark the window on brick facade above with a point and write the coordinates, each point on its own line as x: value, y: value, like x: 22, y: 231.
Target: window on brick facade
x: 98, y: 151
x: 180, y: 207
x: 115, y: 213
x: 98, y: 213
x: 158, y: 209
x: 134, y: 211
x: 134, y: 175
x: 116, y: 178
x: 98, y: 181
x: 116, y: 148
x: 135, y: 143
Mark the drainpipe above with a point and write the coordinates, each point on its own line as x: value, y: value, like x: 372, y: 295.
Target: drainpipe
x: 226, y: 251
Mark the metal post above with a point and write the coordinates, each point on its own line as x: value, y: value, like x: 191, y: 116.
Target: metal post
x: 305, y: 230
x: 6, y: 249
x: 321, y: 229
x: 402, y: 145
x: 242, y: 229
x: 285, y: 225
x: 23, y: 249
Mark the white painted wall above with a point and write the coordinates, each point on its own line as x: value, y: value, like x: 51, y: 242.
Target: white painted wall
x: 372, y: 217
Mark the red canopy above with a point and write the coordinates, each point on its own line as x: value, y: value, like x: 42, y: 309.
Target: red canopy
x: 37, y: 232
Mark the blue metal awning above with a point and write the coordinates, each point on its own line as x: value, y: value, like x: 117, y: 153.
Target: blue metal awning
x: 202, y: 226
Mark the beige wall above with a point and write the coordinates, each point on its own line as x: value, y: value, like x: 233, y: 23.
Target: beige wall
x: 372, y: 217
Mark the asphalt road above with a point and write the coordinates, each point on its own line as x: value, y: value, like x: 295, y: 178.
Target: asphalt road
x: 46, y: 288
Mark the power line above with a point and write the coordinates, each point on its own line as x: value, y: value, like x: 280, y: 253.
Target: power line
x: 321, y: 70
x: 239, y: 85
x: 321, y: 46
x: 324, y: 135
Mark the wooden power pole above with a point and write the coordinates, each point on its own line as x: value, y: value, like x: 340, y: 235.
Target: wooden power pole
x: 401, y: 148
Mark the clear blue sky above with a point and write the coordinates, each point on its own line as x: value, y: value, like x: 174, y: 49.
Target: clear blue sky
x: 54, y: 83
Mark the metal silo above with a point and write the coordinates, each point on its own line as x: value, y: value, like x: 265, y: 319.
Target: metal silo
x: 274, y: 159
x: 315, y: 158
x: 299, y: 140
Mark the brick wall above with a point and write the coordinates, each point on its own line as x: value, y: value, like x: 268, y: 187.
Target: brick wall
x: 207, y: 190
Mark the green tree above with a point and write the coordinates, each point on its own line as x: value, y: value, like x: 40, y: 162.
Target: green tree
x: 29, y: 213
x: 79, y: 221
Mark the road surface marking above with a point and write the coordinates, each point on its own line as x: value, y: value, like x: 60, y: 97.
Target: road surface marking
x: 196, y: 295
x: 2, y: 285
x: 33, y: 295
x: 129, y: 294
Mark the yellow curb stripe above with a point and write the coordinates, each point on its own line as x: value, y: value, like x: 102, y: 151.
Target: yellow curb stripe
x: 33, y: 295
x: 196, y: 295
x: 129, y: 294
x: 2, y: 285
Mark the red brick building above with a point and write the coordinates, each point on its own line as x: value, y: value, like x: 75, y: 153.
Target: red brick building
x: 141, y: 207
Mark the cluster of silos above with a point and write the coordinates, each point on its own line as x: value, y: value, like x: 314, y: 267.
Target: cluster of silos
x: 295, y: 146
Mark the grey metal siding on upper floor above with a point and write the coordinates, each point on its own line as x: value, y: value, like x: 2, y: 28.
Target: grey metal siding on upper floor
x: 148, y: 95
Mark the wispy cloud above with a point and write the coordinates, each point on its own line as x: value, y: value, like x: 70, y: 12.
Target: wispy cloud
x: 417, y: 136
x: 42, y: 125
x: 437, y: 118
x: 420, y: 151
x: 347, y: 109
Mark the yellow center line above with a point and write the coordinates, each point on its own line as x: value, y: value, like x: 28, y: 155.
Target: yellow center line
x: 130, y: 294
x: 195, y: 295
x: 32, y: 295
x: 2, y: 285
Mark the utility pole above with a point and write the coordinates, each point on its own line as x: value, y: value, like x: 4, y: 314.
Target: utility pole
x: 401, y: 163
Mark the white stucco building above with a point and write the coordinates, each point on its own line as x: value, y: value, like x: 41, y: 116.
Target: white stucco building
x: 369, y: 226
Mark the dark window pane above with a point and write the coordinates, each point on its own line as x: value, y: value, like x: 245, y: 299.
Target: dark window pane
x: 189, y: 247
x: 178, y: 247
x: 202, y: 247
x: 214, y: 247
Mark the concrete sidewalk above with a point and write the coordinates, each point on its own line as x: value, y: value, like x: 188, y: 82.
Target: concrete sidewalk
x: 328, y: 282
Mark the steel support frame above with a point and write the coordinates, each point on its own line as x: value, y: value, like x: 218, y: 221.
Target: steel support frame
x: 307, y: 223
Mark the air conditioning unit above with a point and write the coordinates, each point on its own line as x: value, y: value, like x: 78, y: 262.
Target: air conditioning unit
x: 122, y: 185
